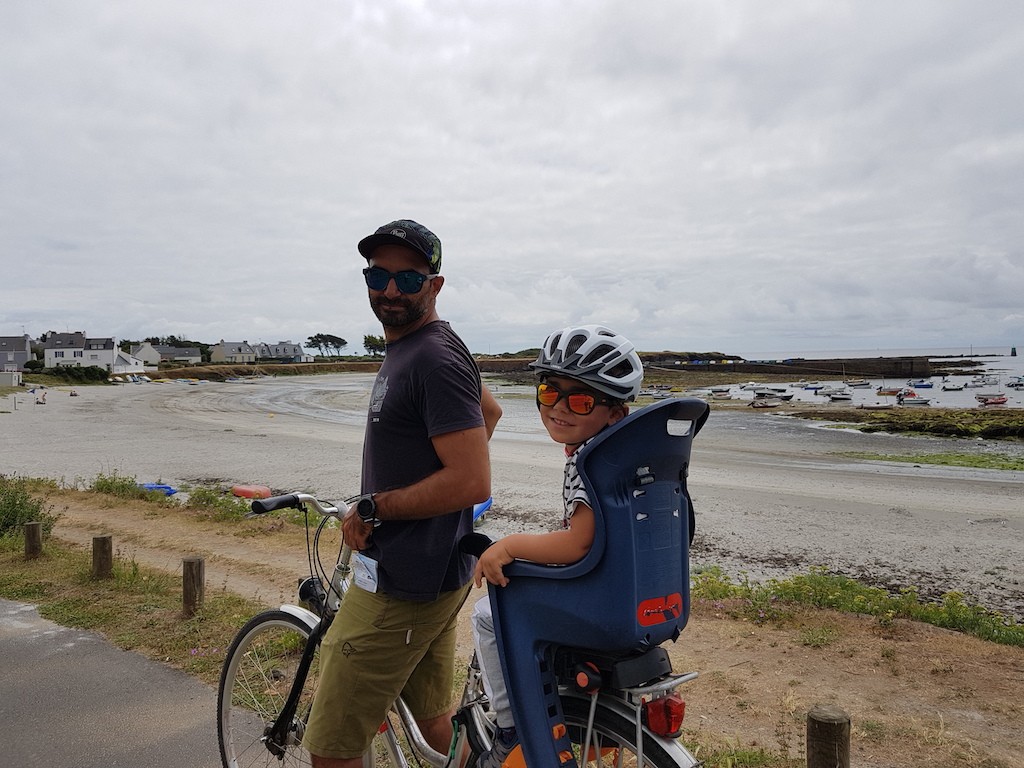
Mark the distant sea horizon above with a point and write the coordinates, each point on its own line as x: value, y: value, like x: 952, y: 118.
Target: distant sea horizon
x: 968, y: 350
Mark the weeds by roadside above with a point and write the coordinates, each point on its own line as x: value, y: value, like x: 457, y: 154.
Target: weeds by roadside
x: 18, y: 506
x: 766, y: 602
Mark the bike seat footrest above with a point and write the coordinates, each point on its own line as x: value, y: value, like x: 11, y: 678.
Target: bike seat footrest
x: 619, y: 671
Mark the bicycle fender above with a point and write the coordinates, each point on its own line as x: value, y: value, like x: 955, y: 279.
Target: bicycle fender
x: 308, y: 618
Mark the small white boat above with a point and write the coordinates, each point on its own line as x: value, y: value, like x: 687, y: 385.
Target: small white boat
x: 915, y: 401
x: 857, y: 383
x: 953, y: 387
x: 981, y: 397
x: 836, y: 397
x: 829, y: 391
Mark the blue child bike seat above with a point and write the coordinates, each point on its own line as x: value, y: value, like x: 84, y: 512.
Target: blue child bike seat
x: 631, y: 592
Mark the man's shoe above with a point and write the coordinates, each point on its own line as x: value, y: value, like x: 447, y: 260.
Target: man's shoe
x: 505, y: 740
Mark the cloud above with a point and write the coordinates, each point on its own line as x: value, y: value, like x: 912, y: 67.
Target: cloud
x: 741, y: 177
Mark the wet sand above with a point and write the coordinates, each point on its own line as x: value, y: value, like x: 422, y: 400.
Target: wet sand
x: 771, y: 495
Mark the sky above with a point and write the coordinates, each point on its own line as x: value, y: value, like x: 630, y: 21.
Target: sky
x: 744, y: 177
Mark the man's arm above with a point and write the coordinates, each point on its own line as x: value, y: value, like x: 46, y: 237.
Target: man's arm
x: 463, y: 480
x: 491, y: 410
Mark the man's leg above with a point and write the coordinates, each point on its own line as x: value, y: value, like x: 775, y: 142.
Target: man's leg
x: 438, y: 731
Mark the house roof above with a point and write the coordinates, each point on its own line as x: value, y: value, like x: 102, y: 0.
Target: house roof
x: 17, y: 343
x: 74, y: 340
x: 236, y: 347
x: 167, y: 351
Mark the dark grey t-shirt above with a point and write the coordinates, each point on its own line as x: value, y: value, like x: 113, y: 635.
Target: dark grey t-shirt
x: 428, y: 385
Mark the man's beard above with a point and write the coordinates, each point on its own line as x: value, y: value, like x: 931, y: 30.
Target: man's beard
x: 397, y: 313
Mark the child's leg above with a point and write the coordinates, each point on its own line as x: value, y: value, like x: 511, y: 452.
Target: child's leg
x: 490, y: 662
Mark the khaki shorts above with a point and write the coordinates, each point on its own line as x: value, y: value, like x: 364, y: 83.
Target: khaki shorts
x: 377, y: 648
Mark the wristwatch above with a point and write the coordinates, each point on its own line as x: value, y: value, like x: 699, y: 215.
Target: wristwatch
x: 366, y: 508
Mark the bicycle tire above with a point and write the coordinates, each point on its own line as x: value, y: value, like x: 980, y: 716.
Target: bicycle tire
x: 615, y: 737
x: 614, y: 732
x: 254, y: 685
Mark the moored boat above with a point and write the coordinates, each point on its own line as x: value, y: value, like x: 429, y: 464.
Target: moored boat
x: 915, y: 401
x: 983, y: 396
x: 999, y: 400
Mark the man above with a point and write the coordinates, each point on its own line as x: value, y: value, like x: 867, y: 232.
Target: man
x: 425, y: 463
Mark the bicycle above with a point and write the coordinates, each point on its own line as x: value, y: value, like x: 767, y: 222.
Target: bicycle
x: 621, y: 703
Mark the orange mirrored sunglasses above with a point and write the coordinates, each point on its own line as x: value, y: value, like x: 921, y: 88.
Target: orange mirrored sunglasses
x: 580, y: 403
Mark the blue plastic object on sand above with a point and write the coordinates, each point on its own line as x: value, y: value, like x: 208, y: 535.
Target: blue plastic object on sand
x: 479, y: 509
x: 167, y: 490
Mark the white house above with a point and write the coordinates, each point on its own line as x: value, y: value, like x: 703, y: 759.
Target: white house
x: 145, y: 352
x: 74, y: 349
x: 154, y: 354
x: 232, y: 352
x: 183, y: 355
x: 283, y: 352
x: 64, y: 349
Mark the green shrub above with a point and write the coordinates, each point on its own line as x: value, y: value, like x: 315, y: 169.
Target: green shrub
x: 78, y: 374
x: 224, y: 506
x: 125, y: 487
x: 18, y: 506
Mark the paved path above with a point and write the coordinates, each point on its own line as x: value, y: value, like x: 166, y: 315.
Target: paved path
x: 69, y: 699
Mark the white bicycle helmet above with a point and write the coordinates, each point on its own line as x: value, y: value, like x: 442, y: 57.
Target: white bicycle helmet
x: 595, y: 355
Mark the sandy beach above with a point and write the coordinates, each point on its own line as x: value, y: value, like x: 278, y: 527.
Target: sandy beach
x: 771, y: 494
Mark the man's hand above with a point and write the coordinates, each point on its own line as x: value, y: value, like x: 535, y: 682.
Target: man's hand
x: 490, y: 564
x: 354, y: 531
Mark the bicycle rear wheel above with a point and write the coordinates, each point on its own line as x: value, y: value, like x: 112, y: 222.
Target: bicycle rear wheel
x: 614, y: 742
x: 254, y: 685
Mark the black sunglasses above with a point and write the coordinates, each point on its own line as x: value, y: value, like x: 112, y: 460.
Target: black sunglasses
x: 407, y: 281
x: 580, y: 403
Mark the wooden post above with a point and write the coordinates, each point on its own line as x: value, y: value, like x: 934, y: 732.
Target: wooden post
x: 102, y: 557
x: 192, y: 585
x: 33, y: 540
x: 828, y: 737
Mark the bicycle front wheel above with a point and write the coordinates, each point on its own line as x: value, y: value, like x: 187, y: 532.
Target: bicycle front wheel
x: 254, y: 686
x: 613, y: 740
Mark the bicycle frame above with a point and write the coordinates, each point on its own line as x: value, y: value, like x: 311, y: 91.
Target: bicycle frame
x: 276, y: 734
x: 471, y: 727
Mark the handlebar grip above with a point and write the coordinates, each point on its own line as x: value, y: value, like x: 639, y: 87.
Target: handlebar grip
x: 262, y: 506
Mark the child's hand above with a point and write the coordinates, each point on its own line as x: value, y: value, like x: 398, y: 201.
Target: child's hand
x: 490, y: 564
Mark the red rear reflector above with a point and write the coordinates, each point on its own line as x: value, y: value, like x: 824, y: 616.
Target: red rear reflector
x: 664, y: 716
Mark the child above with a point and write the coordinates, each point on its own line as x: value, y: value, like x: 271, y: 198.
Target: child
x: 587, y: 375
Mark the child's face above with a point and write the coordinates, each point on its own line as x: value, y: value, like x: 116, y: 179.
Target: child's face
x: 568, y: 427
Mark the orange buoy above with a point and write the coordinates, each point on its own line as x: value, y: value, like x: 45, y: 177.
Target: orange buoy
x: 251, y: 491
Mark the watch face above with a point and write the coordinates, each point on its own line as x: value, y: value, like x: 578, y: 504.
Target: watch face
x: 366, y: 509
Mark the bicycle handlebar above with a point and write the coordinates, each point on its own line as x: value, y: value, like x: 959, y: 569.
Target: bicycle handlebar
x: 292, y: 501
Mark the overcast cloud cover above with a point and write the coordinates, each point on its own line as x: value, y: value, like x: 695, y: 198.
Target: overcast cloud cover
x: 746, y: 177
